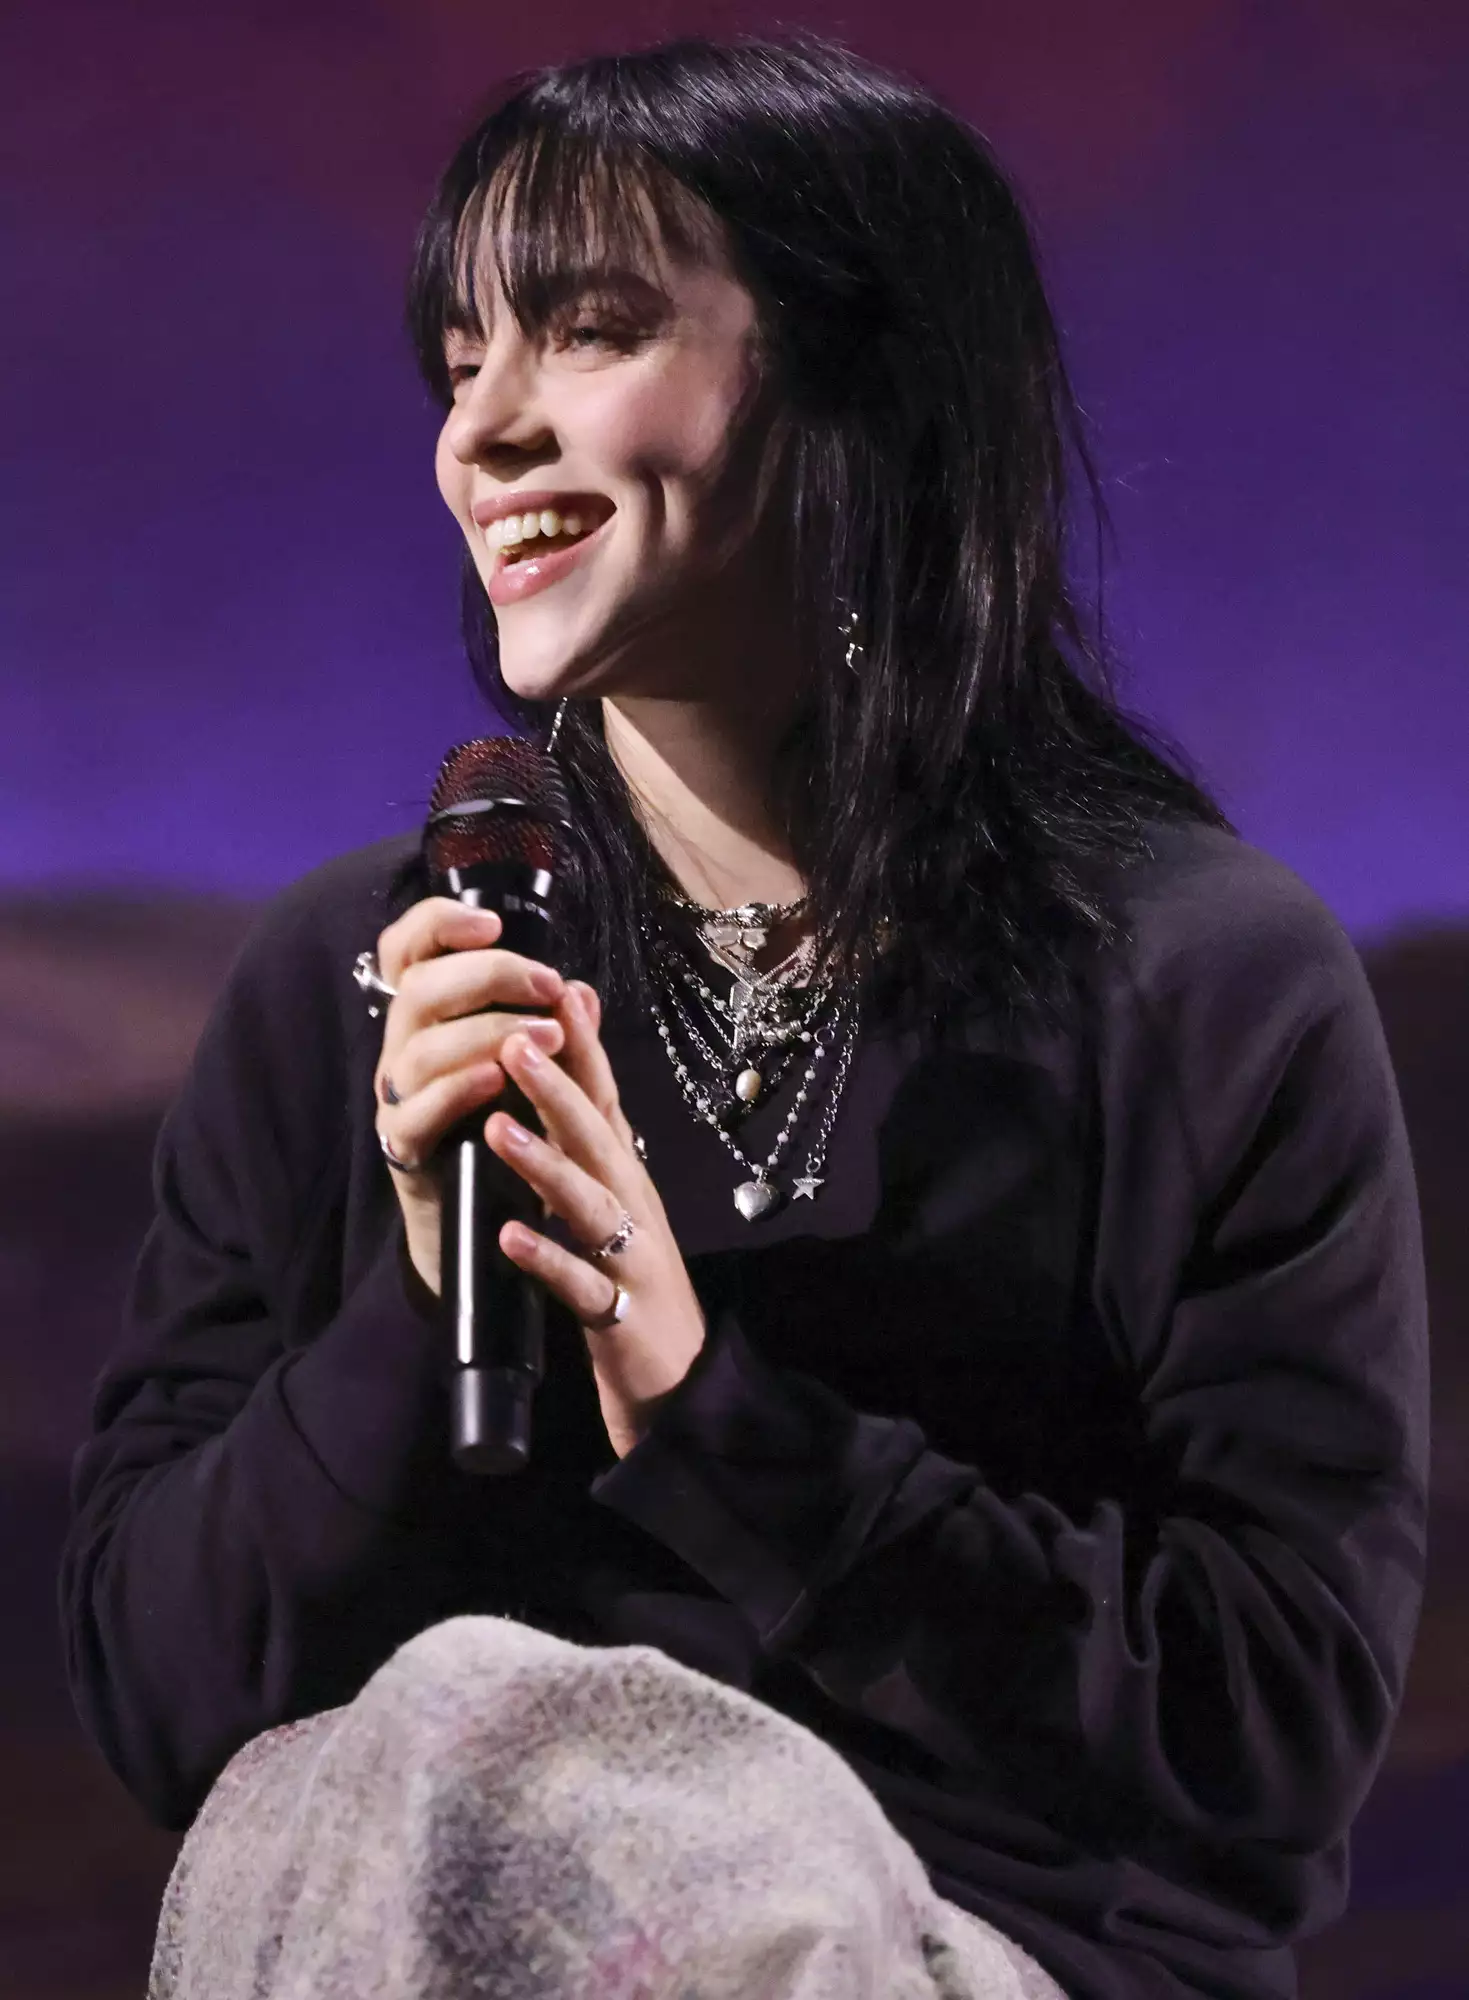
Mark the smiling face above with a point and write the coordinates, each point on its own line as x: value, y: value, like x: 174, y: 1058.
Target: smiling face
x: 637, y: 419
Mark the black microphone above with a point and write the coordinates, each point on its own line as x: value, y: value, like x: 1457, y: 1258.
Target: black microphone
x: 497, y: 809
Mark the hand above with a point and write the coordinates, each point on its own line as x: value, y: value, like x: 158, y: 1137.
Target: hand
x: 587, y: 1172
x: 439, y: 1050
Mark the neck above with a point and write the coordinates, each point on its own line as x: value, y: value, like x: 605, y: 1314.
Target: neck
x: 701, y: 774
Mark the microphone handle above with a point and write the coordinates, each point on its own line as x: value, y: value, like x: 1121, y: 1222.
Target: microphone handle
x: 496, y: 1311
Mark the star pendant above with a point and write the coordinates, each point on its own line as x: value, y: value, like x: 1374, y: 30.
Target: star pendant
x: 806, y: 1184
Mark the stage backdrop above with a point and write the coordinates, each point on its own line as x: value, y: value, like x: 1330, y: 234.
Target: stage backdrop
x: 228, y: 630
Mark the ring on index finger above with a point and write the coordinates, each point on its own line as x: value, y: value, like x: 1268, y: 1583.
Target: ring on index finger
x: 369, y: 976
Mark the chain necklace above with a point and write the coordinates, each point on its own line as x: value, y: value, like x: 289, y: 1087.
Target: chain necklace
x: 750, y: 1082
x: 758, y: 1196
x: 753, y: 1009
x: 753, y: 1017
x: 743, y: 917
x: 732, y: 937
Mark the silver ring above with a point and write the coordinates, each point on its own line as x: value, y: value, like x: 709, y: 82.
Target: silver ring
x: 613, y: 1313
x: 400, y: 1166
x: 369, y: 975
x: 617, y: 1242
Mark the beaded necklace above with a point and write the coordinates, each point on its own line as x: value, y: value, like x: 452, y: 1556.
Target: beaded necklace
x: 754, y: 1020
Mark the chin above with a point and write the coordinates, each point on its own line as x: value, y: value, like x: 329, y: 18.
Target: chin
x: 540, y: 681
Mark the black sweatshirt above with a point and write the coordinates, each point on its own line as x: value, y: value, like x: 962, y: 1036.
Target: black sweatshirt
x: 1062, y: 1463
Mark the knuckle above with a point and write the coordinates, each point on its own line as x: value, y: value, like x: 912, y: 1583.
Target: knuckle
x: 510, y: 968
x: 476, y: 1085
x: 403, y: 938
x: 411, y: 979
x: 393, y: 933
x: 463, y: 1091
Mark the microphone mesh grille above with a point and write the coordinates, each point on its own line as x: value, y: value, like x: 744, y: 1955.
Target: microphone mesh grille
x: 525, y: 828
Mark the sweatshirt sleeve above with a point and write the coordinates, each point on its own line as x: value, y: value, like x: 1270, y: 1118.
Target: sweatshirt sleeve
x: 1221, y: 1643
x: 253, y: 1511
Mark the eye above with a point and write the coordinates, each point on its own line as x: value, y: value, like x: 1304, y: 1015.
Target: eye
x: 588, y: 331
x: 461, y: 371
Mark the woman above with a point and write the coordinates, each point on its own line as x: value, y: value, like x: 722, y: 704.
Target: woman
x: 975, y: 1529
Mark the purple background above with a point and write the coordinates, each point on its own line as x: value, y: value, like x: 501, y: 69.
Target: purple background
x: 231, y: 584
x: 228, y: 631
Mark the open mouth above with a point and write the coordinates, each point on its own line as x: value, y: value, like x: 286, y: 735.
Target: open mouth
x: 517, y: 537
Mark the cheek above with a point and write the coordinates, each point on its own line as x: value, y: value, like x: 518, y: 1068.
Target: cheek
x: 675, y: 425
x: 453, y: 477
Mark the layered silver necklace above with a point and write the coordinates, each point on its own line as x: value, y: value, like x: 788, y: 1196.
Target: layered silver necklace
x: 753, y: 1034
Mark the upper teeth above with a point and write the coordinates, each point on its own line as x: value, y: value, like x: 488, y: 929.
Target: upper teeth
x: 521, y: 527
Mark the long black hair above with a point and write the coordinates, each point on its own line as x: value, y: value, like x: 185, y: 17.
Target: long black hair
x: 968, y: 775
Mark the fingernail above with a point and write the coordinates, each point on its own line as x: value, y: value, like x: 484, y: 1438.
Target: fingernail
x: 547, y: 982
x: 547, y: 1033
x: 524, y: 1050
x: 513, y: 1134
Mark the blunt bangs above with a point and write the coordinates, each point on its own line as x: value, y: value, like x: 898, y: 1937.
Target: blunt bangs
x: 555, y: 207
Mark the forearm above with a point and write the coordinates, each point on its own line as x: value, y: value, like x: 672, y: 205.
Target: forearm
x: 264, y: 1570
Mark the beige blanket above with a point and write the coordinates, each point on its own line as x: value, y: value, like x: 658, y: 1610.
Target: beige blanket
x: 503, y: 1814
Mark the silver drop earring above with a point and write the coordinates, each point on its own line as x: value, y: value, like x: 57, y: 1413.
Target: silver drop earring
x: 555, y: 726
x: 847, y: 626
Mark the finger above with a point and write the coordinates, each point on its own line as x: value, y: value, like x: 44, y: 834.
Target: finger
x: 445, y: 959
x: 588, y: 1207
x: 414, y: 1126
x: 586, y: 1057
x: 570, y: 1118
x: 482, y: 988
x: 436, y: 924
x: 453, y: 984
x: 414, y: 1057
x: 589, y: 1294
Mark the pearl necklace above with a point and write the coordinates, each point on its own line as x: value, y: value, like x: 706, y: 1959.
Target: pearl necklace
x: 753, y: 1018
x: 757, y: 1010
x: 750, y: 1083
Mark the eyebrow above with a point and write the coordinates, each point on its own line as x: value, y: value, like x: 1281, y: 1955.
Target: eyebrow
x: 568, y: 282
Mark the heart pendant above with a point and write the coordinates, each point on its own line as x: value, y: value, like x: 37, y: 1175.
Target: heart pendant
x: 754, y: 1199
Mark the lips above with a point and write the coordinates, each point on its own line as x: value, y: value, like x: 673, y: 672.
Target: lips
x: 541, y: 565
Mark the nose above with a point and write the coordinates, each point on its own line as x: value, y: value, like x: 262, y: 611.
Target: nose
x: 497, y: 414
